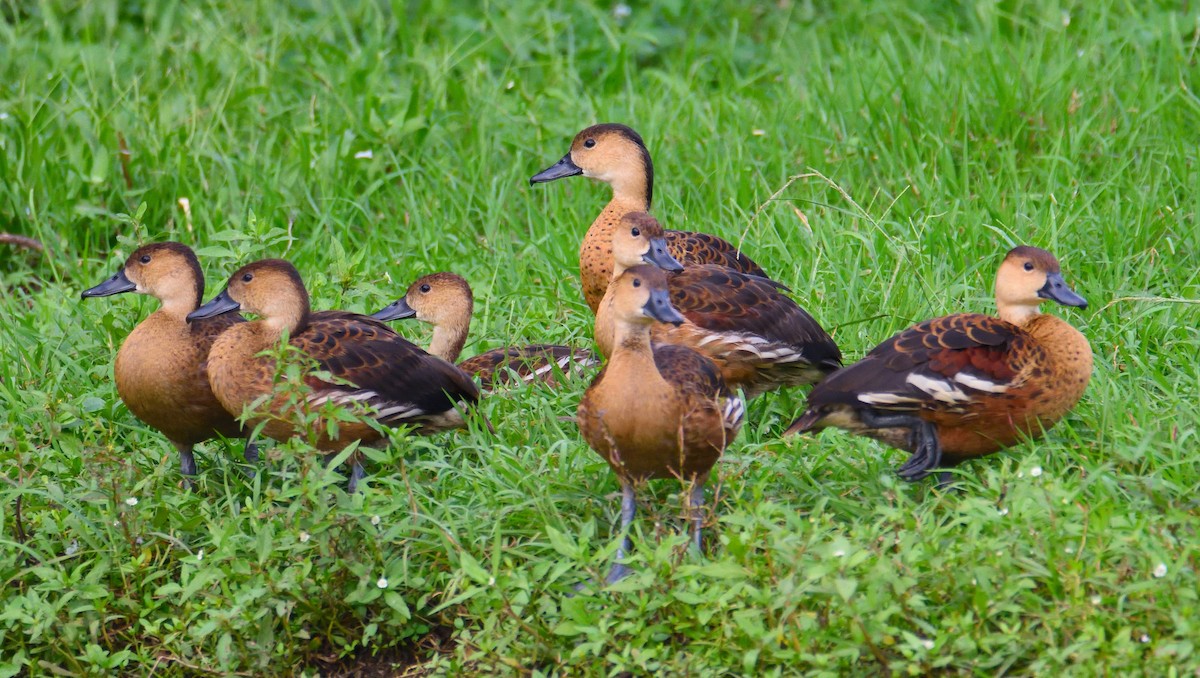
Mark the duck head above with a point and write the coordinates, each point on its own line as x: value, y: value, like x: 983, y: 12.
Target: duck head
x: 640, y: 239
x: 1027, y: 277
x: 271, y: 289
x: 438, y: 299
x: 612, y: 153
x: 168, y: 271
x: 640, y: 297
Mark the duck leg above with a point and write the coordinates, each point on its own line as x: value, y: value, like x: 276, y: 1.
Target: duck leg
x: 628, y: 509
x: 357, y: 473
x: 696, y: 507
x: 187, y: 463
x: 251, y: 452
x: 927, y: 453
x: 922, y: 437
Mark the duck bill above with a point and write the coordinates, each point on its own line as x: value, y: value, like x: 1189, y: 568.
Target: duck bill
x: 659, y: 307
x: 659, y: 256
x: 560, y: 169
x: 115, y: 285
x: 222, y: 303
x: 1056, y: 289
x: 395, y: 311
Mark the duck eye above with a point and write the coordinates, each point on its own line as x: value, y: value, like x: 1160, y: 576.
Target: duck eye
x: 1029, y: 266
x: 424, y: 289
x: 635, y: 232
x: 145, y: 259
x: 590, y: 143
x: 248, y: 277
x: 637, y: 282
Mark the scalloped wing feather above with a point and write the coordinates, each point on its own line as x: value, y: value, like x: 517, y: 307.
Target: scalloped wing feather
x: 690, y: 247
x: 946, y: 364
x: 382, y: 369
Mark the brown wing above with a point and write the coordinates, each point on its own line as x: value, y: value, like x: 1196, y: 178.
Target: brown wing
x: 721, y: 300
x: 400, y: 380
x: 700, y: 379
x: 947, y: 364
x: 690, y: 247
x: 537, y: 362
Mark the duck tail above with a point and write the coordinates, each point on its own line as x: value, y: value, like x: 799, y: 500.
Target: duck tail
x: 805, y: 422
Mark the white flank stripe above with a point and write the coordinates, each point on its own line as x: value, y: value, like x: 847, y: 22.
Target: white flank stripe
x: 940, y: 389
x: 885, y: 399
x: 979, y: 383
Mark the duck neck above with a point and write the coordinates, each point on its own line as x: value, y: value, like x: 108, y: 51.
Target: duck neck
x: 177, y: 308
x: 632, y: 190
x: 1017, y: 314
x: 291, y: 320
x: 448, y: 340
x: 631, y: 342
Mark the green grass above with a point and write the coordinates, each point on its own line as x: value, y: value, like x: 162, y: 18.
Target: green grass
x: 877, y: 157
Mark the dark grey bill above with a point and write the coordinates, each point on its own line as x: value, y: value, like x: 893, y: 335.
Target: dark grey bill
x: 660, y: 257
x: 560, y: 169
x: 221, y: 303
x: 114, y: 285
x: 659, y: 307
x: 394, y: 311
x: 1056, y: 289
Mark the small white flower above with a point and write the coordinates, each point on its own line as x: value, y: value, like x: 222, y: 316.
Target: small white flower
x: 375, y: 519
x: 510, y: 84
x: 139, y: 541
x: 758, y: 132
x: 1003, y: 511
x: 132, y: 501
x: 839, y: 553
x: 1096, y: 600
x: 364, y: 155
x: 1160, y: 570
x: 1070, y: 550
x: 927, y: 643
x: 1145, y: 638
x: 1035, y: 471
x: 73, y: 547
x: 3, y: 116
x: 382, y: 583
x: 1020, y: 474
x: 200, y: 554
x: 621, y: 10
x: 304, y: 537
x: 491, y: 581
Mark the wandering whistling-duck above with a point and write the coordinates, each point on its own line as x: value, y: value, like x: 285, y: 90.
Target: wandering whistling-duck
x: 160, y: 368
x: 655, y: 412
x: 445, y: 301
x: 372, y: 366
x: 616, y: 155
x: 756, y: 334
x: 965, y: 385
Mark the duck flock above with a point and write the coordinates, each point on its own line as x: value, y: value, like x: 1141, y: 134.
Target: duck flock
x: 686, y: 323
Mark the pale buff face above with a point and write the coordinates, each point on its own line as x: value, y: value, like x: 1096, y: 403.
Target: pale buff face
x: 440, y: 299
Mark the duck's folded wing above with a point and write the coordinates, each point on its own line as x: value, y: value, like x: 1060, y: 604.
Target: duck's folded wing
x: 720, y: 300
x: 695, y: 374
x: 945, y: 364
x: 373, y: 365
x: 529, y: 363
x: 690, y: 247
